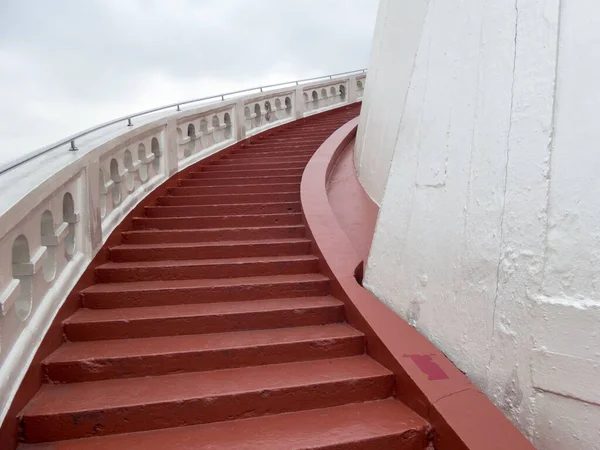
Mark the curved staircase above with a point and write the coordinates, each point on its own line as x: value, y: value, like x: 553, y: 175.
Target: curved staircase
x: 212, y: 327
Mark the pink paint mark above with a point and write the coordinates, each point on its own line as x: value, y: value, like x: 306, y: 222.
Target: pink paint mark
x: 429, y: 367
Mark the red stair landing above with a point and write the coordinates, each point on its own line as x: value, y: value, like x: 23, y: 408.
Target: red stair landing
x: 212, y: 327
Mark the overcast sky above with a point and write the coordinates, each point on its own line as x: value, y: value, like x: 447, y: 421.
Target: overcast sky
x: 68, y: 64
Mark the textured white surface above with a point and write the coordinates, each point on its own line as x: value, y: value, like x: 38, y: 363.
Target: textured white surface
x: 395, y: 42
x: 488, y: 237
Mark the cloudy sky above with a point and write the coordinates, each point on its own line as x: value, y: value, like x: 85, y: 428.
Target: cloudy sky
x: 68, y: 64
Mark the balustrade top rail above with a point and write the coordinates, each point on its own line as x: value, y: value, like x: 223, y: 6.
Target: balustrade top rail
x: 72, y: 139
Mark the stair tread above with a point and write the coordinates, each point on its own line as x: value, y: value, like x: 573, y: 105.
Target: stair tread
x: 226, y: 204
x: 213, y: 243
x: 354, y: 424
x: 86, y: 315
x: 204, y: 262
x: 123, y: 348
x: 120, y: 393
x: 294, y: 186
x: 217, y: 229
x: 207, y: 282
x: 274, y: 215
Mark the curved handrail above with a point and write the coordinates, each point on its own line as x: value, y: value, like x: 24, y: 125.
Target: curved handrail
x: 71, y: 139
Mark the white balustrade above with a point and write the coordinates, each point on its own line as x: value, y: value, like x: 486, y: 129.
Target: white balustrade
x: 58, y: 209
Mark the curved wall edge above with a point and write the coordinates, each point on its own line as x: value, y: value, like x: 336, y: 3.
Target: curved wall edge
x: 426, y: 380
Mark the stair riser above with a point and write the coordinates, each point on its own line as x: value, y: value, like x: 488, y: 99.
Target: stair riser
x: 250, y: 160
x: 242, y: 164
x: 225, y: 181
x: 233, y: 270
x: 200, y: 361
x: 204, y: 294
x: 224, y: 173
x: 278, y: 150
x: 286, y: 143
x: 314, y: 134
x: 413, y: 440
x: 229, y: 199
x: 225, y: 251
x: 184, y: 223
x: 224, y: 190
x: 234, y: 234
x: 205, y: 410
x: 221, y: 323
x: 268, y: 156
x: 217, y: 210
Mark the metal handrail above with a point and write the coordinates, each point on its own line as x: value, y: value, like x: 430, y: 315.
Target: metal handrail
x: 71, y: 139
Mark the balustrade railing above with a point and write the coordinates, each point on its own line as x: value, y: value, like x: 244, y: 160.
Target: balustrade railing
x: 59, y: 206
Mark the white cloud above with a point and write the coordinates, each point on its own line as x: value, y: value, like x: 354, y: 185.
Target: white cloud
x: 68, y: 64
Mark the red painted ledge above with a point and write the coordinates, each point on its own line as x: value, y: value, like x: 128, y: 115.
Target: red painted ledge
x: 462, y: 417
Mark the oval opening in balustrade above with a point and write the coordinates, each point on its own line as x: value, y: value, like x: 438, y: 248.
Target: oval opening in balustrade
x: 155, y: 149
x: 129, y: 178
x: 69, y: 217
x: 247, y: 113
x: 342, y: 92
x: 333, y: 92
x: 102, y: 188
x: 227, y: 120
x: 191, y: 131
x: 359, y: 85
x: 315, y: 99
x: 203, y: 126
x: 21, y: 259
x: 47, y: 232
x: 257, y: 118
x: 268, y: 111
x: 116, y: 179
x: 216, y: 128
x: 143, y: 169
x: 288, y: 106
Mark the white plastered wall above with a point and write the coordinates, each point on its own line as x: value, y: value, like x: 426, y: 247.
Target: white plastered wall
x: 395, y: 42
x: 488, y: 238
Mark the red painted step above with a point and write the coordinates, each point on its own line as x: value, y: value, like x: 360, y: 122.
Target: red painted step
x: 262, y: 197
x: 225, y: 209
x: 254, y: 155
x: 213, y: 234
x: 210, y: 250
x: 123, y: 272
x: 79, y: 410
x: 153, y: 293
x: 212, y: 310
x: 227, y: 181
x: 221, y: 172
x: 242, y: 189
x: 377, y: 425
x: 183, y: 222
x: 128, y: 358
x: 234, y: 160
x: 255, y: 165
x: 220, y: 317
